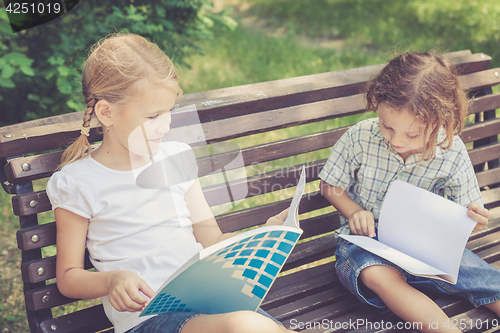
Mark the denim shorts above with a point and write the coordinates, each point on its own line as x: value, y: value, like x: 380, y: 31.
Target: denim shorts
x: 478, y: 281
x: 174, y: 321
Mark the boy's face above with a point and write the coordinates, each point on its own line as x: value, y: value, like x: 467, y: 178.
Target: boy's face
x: 404, y: 132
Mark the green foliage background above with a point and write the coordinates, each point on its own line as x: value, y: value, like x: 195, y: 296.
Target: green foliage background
x: 40, y: 67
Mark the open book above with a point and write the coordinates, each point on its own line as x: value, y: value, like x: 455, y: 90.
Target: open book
x: 421, y: 232
x: 234, y: 274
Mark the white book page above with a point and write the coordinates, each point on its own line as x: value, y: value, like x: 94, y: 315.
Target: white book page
x: 292, y: 219
x: 404, y: 261
x: 425, y: 226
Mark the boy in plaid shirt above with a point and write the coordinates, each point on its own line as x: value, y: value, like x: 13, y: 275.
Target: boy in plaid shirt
x: 422, y: 109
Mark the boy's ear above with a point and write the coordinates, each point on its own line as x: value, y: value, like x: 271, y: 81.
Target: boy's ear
x: 104, y: 112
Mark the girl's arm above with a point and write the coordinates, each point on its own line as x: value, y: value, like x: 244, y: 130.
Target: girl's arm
x: 361, y: 222
x: 75, y: 282
x: 205, y: 227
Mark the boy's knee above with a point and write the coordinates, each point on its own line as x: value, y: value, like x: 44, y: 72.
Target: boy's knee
x: 379, y: 277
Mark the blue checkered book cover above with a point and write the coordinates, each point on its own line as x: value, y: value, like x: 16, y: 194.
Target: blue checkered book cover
x: 233, y: 275
x: 236, y: 277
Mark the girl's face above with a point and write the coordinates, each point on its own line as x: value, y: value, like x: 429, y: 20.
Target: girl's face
x: 404, y: 131
x: 143, y: 121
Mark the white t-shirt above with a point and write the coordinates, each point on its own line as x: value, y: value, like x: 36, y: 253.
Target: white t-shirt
x: 145, y: 231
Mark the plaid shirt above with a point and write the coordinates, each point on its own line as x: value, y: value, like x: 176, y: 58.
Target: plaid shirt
x: 364, y: 164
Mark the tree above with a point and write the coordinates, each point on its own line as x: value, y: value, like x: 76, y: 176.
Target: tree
x: 40, y: 68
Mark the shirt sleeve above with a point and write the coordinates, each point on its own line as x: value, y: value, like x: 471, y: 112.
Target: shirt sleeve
x: 64, y: 192
x: 342, y: 159
x: 462, y: 187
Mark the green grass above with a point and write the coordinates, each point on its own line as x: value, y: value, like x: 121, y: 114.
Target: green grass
x: 283, y: 39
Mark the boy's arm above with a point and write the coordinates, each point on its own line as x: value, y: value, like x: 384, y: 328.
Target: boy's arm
x: 361, y: 222
x: 75, y: 282
x: 478, y: 214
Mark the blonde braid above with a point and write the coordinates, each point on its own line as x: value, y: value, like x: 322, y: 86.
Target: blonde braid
x: 81, y: 146
x: 88, y: 116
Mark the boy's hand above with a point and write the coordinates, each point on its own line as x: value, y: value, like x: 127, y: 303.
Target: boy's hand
x: 362, y: 223
x: 125, y: 292
x: 478, y: 214
x: 278, y: 219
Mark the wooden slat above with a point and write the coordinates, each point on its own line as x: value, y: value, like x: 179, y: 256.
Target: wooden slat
x: 484, y: 154
x: 35, y: 298
x: 263, y: 183
x: 39, y: 270
x: 481, y: 80
x: 485, y: 103
x: 92, y: 319
x: 491, y: 198
x: 297, y: 285
x: 45, y: 269
x: 491, y: 254
x: 481, y: 130
x: 316, y: 249
x: 488, y: 177
x: 484, y: 242
x: 31, y: 203
x: 36, y: 237
x: 250, y: 217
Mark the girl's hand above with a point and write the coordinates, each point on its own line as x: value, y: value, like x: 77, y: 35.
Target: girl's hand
x: 362, y: 223
x: 478, y: 214
x: 278, y: 219
x: 125, y: 292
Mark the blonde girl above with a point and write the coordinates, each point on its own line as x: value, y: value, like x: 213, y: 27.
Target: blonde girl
x: 421, y: 108
x: 136, y: 237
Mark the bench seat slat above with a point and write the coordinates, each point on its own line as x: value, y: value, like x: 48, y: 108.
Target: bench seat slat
x: 316, y: 249
x: 299, y: 284
x: 308, y: 303
x: 491, y: 254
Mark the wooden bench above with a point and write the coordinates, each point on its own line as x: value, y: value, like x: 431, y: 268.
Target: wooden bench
x: 308, y: 297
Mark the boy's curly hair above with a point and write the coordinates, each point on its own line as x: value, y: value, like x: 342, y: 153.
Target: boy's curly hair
x: 427, y: 86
